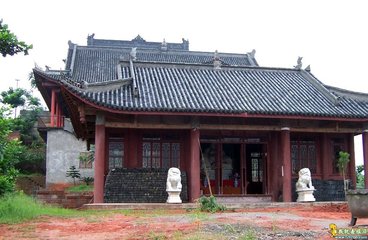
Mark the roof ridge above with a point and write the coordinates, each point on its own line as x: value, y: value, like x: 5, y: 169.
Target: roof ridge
x: 319, y: 85
x: 210, y: 65
x: 172, y: 51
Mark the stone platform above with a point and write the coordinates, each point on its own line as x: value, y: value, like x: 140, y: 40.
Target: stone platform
x: 151, y: 206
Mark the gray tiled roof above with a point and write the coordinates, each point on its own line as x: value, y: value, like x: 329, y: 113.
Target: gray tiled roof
x: 188, y: 88
x: 96, y: 64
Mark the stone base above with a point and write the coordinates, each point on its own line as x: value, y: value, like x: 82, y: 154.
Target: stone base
x: 306, y: 195
x: 174, y: 197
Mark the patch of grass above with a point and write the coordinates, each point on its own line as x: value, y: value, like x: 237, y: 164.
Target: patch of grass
x: 80, y: 188
x: 18, y: 207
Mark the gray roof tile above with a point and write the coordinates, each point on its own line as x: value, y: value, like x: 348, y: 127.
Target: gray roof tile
x: 182, y: 88
x: 96, y: 64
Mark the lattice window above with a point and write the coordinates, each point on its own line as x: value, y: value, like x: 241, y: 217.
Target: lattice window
x: 175, y: 154
x: 158, y: 153
x: 257, y: 173
x: 116, y: 153
x: 146, y: 155
x: 303, y: 155
x: 166, y: 155
x: 294, y: 157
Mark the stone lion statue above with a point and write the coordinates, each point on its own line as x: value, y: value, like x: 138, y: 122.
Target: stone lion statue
x: 305, y: 180
x: 173, y: 182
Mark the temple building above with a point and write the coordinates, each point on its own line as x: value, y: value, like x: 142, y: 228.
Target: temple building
x: 147, y: 106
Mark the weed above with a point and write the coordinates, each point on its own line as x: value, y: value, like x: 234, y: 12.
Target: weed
x: 229, y: 228
x: 209, y: 204
x: 156, y: 236
x: 249, y: 235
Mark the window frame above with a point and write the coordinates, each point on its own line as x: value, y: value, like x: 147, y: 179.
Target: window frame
x: 157, y: 160
x: 308, y: 159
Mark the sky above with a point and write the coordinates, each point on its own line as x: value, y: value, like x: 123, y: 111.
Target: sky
x: 331, y: 36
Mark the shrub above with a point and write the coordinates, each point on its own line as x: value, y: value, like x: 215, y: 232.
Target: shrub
x: 209, y: 204
x: 10, y: 154
x: 360, y: 176
x: 342, y: 165
x: 87, y: 180
x: 73, y: 173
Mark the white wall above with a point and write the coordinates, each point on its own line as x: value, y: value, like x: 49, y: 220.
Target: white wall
x: 62, y: 151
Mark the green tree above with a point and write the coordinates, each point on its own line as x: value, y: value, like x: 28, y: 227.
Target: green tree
x: 11, y: 152
x: 32, y: 80
x: 342, y: 165
x: 17, y: 97
x: 360, y: 176
x: 33, y: 158
x: 9, y: 43
x: 73, y: 173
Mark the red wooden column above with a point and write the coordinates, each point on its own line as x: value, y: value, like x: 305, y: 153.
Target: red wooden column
x: 194, y: 166
x: 57, y: 114
x: 52, y: 110
x: 365, y: 157
x: 286, y: 161
x: 352, y: 160
x: 100, y: 137
x: 326, y: 156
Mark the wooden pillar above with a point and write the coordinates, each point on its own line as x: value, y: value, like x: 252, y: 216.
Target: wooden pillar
x: 52, y: 110
x: 133, y: 145
x: 100, y: 150
x: 352, y: 161
x: 194, y: 166
x: 57, y: 124
x: 286, y: 160
x: 61, y: 118
x: 326, y: 156
x: 365, y: 157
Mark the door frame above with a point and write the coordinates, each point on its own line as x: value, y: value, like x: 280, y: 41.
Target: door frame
x: 218, y: 186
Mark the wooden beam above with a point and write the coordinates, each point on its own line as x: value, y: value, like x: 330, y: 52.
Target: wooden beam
x: 147, y: 125
x: 227, y: 127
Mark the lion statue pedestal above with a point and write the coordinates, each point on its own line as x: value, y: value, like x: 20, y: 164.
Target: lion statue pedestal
x: 304, y: 186
x: 173, y: 185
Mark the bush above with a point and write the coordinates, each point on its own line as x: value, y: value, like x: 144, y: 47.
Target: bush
x: 209, y: 204
x: 7, y: 181
x: 88, y: 180
x: 11, y: 152
x: 360, y: 176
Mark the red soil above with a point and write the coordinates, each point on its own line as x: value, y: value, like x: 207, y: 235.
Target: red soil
x: 171, y: 223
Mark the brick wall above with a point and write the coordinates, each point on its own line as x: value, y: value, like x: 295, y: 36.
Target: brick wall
x: 64, y: 199
x: 139, y: 186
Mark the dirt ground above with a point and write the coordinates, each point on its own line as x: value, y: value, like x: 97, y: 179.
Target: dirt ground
x: 271, y: 223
